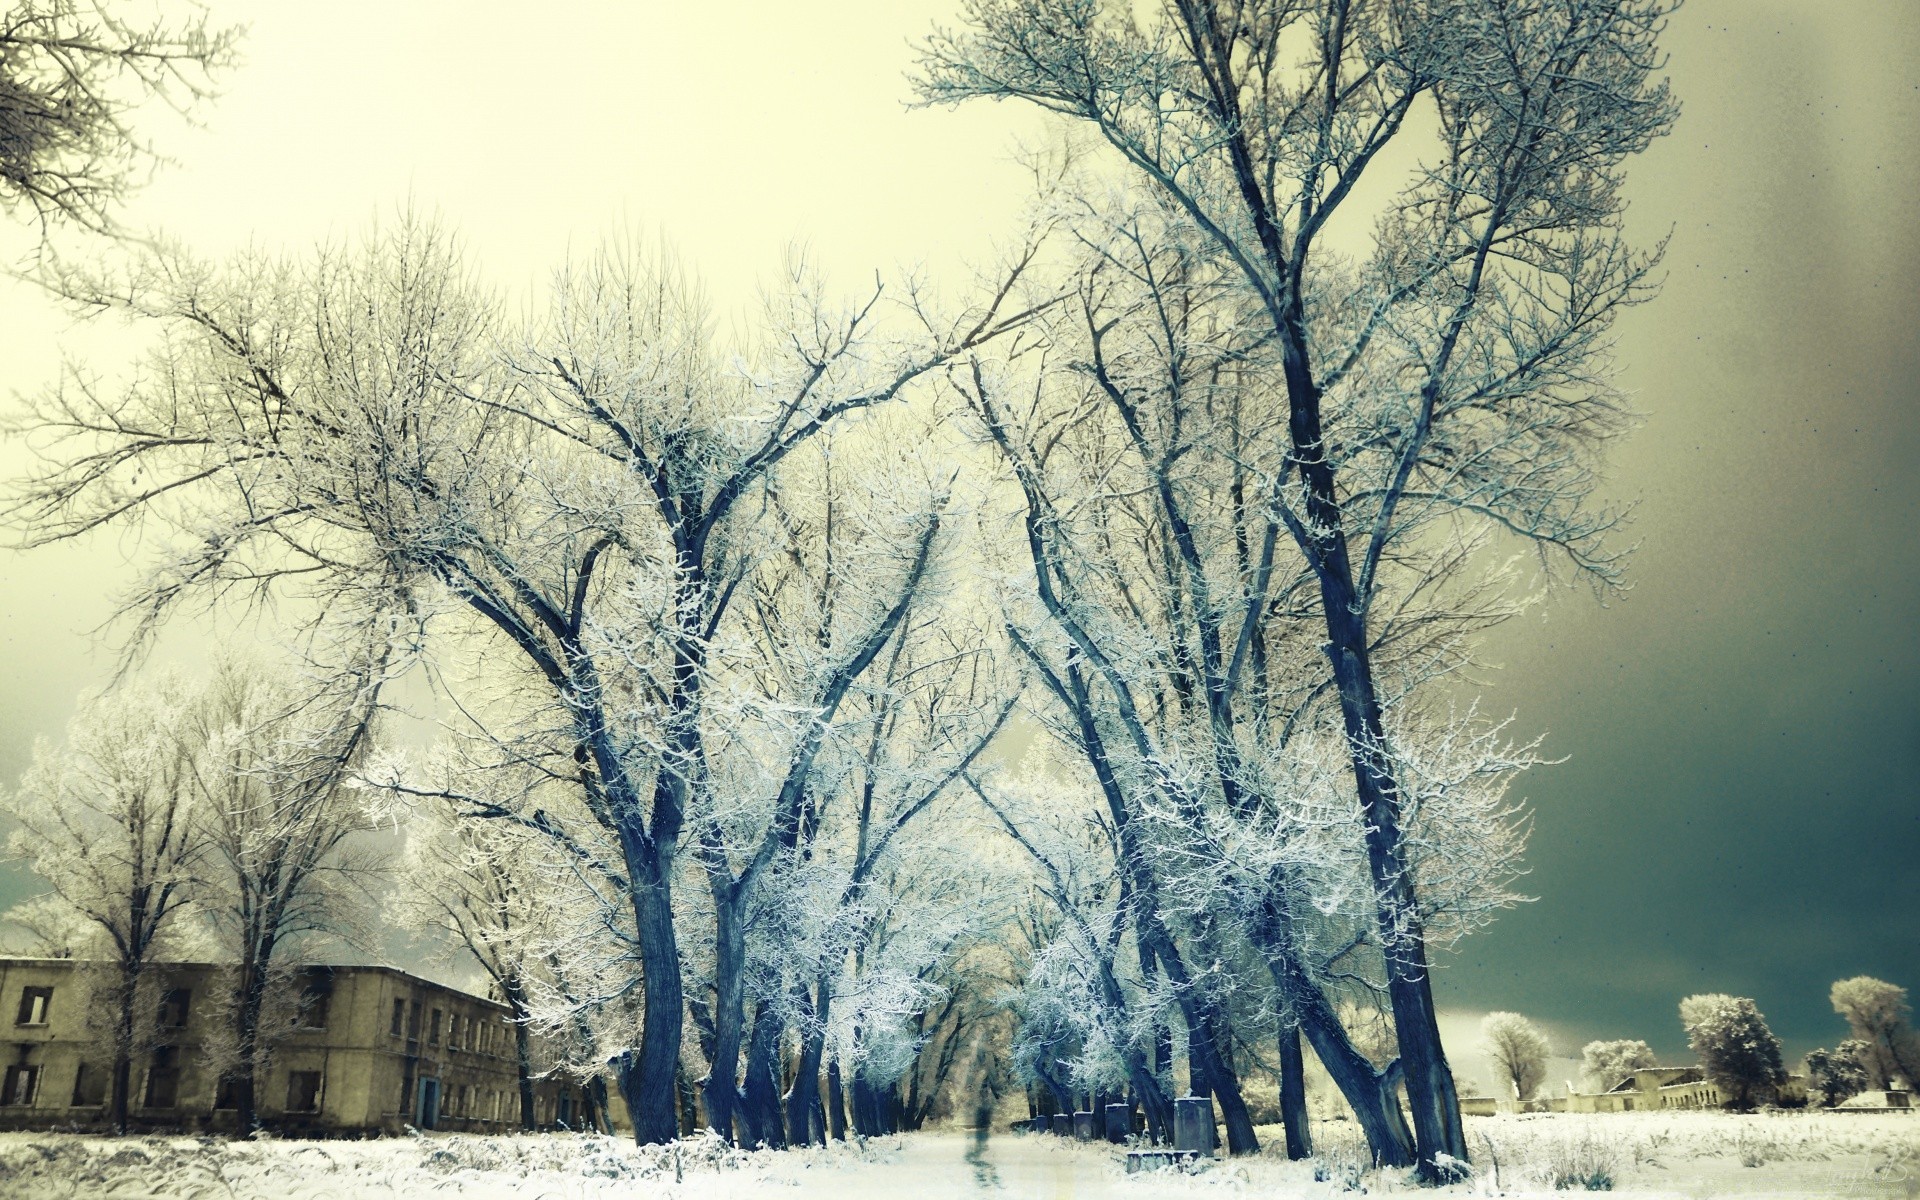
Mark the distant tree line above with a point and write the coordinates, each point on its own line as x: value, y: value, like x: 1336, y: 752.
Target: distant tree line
x: 1729, y: 1037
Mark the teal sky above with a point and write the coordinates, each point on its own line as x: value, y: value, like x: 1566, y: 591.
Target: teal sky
x: 1738, y: 812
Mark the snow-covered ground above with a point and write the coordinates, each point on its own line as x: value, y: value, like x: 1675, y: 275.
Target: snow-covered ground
x: 1691, y: 1155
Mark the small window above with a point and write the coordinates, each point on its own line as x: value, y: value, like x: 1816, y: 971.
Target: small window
x: 226, y: 1096
x: 163, y: 1079
x: 303, y: 1091
x: 20, y: 1084
x: 433, y: 1029
x: 406, y: 1093
x: 34, y: 1003
x: 90, y: 1086
x: 173, y: 1008
x: 453, y: 1032
x: 315, y: 995
x: 399, y: 1017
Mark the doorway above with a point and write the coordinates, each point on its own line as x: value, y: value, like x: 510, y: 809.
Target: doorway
x: 429, y: 1110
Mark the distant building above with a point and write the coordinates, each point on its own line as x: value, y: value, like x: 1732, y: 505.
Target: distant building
x: 1879, y: 1099
x: 1651, y: 1089
x: 374, y: 1050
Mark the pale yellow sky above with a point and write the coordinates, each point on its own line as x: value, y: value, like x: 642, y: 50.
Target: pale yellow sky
x: 734, y: 129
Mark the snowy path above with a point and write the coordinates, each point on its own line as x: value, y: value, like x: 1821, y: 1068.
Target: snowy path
x: 940, y: 1166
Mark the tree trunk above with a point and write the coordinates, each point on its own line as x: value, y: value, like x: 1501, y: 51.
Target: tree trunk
x: 689, y: 1103
x: 869, y: 1117
x: 1430, y: 1092
x: 1210, y: 1060
x: 836, y: 1104
x: 647, y: 1084
x: 250, y: 1000
x: 1241, y: 1138
x: 1159, y: 1109
x: 760, y: 1099
x: 1373, y: 1094
x: 1293, y: 1093
x: 522, y: 1047
x: 804, y: 1123
x: 599, y: 1117
x: 523, y: 1063
x: 122, y: 1099
x: 721, y: 1088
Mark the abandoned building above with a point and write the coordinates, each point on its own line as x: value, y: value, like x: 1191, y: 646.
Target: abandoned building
x: 372, y: 1050
x: 1653, y: 1088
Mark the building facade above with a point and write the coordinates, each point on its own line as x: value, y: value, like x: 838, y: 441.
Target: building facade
x: 372, y: 1050
x: 1653, y: 1089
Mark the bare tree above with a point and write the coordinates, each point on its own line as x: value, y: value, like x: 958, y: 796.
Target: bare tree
x: 110, y: 821
x: 1518, y: 1049
x: 823, y: 613
x: 281, y: 823
x: 488, y: 886
x: 350, y: 428
x: 1457, y: 369
x: 1086, y: 1026
x: 1169, y: 637
x: 72, y: 72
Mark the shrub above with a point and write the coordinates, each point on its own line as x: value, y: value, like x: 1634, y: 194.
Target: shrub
x: 1583, y: 1162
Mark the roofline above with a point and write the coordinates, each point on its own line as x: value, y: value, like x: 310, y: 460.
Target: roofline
x: 381, y: 968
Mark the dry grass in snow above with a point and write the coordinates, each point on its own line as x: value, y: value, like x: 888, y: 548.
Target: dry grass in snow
x: 1689, y: 1155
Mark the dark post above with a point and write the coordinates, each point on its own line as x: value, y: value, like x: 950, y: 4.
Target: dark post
x: 1193, y: 1124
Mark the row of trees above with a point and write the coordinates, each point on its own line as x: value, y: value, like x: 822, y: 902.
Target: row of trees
x: 208, y: 820
x: 1259, y: 449
x: 1735, y: 1048
x: 731, y: 636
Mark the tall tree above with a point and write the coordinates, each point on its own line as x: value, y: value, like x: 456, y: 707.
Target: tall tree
x: 361, y: 429
x: 822, y: 614
x: 1736, y: 1049
x: 282, y: 826
x: 1167, y: 634
x: 1877, y: 1012
x: 1082, y: 1027
x: 1456, y: 368
x: 111, y: 822
x: 1518, y: 1050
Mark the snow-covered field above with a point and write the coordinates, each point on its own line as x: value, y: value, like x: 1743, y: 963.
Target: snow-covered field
x: 1692, y: 1155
